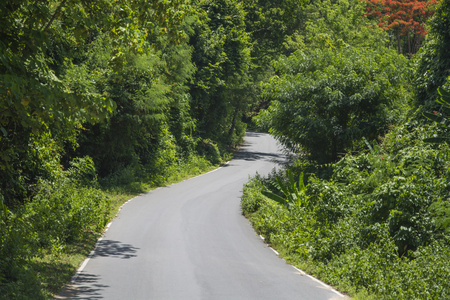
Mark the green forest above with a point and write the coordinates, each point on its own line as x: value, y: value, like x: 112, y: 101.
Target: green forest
x: 101, y: 100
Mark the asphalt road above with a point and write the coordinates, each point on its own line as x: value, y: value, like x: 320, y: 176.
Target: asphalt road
x: 190, y: 241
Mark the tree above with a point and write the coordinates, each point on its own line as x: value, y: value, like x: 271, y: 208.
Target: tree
x: 221, y: 53
x: 441, y: 118
x: 325, y: 100
x: 433, y: 60
x: 46, y: 89
x: 405, y: 18
x: 34, y: 101
x: 334, y: 24
x: 269, y: 22
x: 151, y: 96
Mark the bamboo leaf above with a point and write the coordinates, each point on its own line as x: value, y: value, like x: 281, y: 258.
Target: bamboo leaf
x: 433, y: 117
x: 444, y: 94
x: 301, y: 183
x: 445, y: 110
x: 368, y: 144
x: 283, y: 188
x: 275, y: 198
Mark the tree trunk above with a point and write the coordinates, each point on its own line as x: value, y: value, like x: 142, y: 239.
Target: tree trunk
x: 334, y: 149
x: 233, y: 123
x: 409, y: 45
x: 54, y: 16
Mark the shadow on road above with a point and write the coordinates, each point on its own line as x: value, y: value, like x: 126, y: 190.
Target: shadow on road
x: 87, y: 286
x: 246, y: 153
x: 254, y: 134
x: 249, y: 155
x: 109, y: 248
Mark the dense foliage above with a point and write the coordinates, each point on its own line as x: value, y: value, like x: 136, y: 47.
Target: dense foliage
x: 60, y: 213
x: 326, y: 100
x: 404, y: 19
x: 433, y: 59
x: 385, y: 211
x: 374, y: 222
x: 98, y: 95
x: 102, y: 96
x: 222, y: 55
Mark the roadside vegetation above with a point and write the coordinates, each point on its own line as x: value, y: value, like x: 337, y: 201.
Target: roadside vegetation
x: 365, y: 205
x: 103, y: 100
x: 99, y: 102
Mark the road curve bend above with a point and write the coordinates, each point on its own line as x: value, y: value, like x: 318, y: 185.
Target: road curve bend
x: 189, y: 241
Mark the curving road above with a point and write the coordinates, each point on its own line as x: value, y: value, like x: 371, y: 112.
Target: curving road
x: 190, y: 241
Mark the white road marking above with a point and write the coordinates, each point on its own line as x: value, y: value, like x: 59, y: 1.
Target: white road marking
x: 302, y: 273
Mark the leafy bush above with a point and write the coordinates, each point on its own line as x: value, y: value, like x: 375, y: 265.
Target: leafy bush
x: 433, y: 60
x: 164, y: 156
x: 83, y: 171
x: 293, y: 192
x: 15, y: 248
x: 379, y: 270
x: 209, y: 150
x: 325, y: 100
x: 61, y: 211
x: 59, y: 214
x: 251, y: 200
x: 441, y: 118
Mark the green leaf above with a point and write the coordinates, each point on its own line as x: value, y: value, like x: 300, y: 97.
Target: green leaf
x: 368, y: 144
x: 433, y: 117
x: 282, y: 188
x: 446, y: 110
x: 276, y: 198
x: 301, y: 183
x: 444, y: 94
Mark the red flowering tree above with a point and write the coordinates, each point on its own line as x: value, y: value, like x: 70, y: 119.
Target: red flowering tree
x: 404, y: 18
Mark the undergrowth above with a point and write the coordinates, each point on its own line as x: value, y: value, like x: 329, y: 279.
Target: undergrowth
x: 377, y: 228
x: 44, y: 241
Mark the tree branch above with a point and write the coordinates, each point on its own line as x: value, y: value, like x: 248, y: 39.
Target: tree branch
x: 54, y: 15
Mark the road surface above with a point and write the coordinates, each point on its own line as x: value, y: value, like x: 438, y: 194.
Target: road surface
x: 189, y: 241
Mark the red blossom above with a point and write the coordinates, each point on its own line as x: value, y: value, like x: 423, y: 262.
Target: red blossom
x: 402, y: 15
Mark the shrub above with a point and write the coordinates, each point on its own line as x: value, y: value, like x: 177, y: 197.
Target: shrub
x: 16, y: 238
x: 209, y: 150
x: 326, y: 100
x: 83, y: 171
x: 377, y: 227
x: 433, y: 60
x: 62, y: 210
x: 251, y: 199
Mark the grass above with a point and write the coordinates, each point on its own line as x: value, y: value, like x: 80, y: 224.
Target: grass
x: 48, y: 272
x: 56, y: 269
